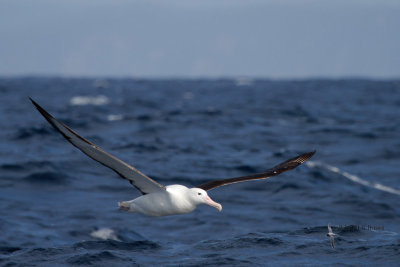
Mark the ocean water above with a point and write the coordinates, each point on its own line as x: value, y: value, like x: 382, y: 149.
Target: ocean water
x: 59, y: 208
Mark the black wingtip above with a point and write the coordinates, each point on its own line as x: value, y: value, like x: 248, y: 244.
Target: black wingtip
x: 35, y: 104
x: 311, y: 153
x: 41, y: 110
x: 306, y: 156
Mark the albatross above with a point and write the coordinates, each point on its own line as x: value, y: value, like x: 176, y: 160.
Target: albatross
x: 331, y: 235
x: 157, y: 199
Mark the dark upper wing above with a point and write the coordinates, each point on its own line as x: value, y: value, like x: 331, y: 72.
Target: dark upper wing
x: 278, y: 169
x: 143, y: 183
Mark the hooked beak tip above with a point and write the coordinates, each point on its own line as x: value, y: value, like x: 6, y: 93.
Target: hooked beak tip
x: 217, y: 206
x: 214, y: 204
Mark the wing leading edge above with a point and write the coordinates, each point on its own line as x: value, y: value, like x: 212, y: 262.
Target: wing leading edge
x: 142, y: 182
x: 278, y: 169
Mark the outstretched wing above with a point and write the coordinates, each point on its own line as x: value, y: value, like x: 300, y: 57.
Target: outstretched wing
x: 143, y: 183
x: 278, y: 169
x: 329, y: 228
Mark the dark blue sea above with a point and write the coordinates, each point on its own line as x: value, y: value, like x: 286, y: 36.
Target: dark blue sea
x: 59, y: 207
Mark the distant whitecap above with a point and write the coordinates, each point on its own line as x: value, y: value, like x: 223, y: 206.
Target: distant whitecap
x: 89, y: 100
x: 114, y: 117
x: 243, y: 81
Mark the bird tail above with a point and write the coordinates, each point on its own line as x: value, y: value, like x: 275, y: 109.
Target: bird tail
x: 125, y: 205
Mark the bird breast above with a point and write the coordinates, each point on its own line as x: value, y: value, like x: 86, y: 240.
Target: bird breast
x: 172, y: 201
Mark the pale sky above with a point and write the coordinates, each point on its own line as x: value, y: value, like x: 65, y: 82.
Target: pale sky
x: 209, y: 38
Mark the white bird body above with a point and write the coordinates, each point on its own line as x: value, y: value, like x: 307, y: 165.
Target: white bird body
x: 176, y: 199
x: 159, y: 200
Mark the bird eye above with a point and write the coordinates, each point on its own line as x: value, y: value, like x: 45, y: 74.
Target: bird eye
x: 199, y: 194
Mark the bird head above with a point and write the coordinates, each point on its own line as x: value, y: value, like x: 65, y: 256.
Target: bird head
x: 200, y: 196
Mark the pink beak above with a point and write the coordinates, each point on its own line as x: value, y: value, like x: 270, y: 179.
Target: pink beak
x: 212, y: 203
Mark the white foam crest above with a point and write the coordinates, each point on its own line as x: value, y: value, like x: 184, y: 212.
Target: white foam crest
x: 89, y: 100
x: 352, y: 177
x: 105, y: 234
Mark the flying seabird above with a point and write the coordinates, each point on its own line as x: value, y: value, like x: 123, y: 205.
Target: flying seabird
x: 156, y: 199
x: 331, y: 235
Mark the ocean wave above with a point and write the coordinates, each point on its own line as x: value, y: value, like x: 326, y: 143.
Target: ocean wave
x: 28, y: 165
x: 352, y: 177
x: 288, y: 186
x: 50, y: 178
x: 117, y: 245
x: 8, y: 250
x: 247, y: 240
x: 29, y: 132
x: 95, y: 258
